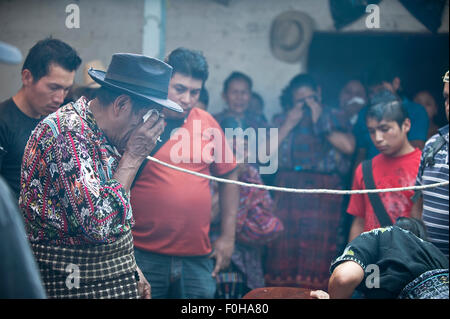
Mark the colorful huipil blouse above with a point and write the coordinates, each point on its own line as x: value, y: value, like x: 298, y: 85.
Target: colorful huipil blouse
x: 68, y: 193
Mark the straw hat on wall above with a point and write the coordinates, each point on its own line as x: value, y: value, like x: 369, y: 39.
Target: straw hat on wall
x: 290, y: 35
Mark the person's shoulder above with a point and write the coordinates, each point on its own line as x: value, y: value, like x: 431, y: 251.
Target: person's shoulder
x: 6, y: 106
x: 443, y: 131
x: 65, y: 119
x: 196, y: 111
x: 357, y: 178
x: 199, y: 114
x: 414, y: 108
x: 431, y: 141
x: 220, y: 115
x: 380, y: 231
x: 6, y: 103
x: 379, y: 158
x: 10, y: 115
x: 408, y: 103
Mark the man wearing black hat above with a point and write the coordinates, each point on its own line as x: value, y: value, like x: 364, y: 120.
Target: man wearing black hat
x: 78, y: 167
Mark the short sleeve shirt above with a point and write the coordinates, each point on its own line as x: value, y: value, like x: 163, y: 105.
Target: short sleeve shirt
x: 15, y: 129
x: 172, y: 209
x: 388, y: 172
x: 435, y: 200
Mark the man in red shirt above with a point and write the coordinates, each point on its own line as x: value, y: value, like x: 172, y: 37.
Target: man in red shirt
x: 172, y: 209
x: 396, y: 165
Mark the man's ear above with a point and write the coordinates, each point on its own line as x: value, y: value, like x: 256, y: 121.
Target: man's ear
x: 27, y: 78
x: 406, y: 126
x: 122, y: 104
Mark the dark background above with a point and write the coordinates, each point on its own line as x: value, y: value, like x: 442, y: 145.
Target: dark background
x: 421, y: 61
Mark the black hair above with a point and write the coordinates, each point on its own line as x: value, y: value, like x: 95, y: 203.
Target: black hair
x: 50, y: 51
x: 236, y: 75
x: 386, y: 106
x: 298, y: 81
x: 414, y: 225
x: 188, y: 62
x: 204, y: 96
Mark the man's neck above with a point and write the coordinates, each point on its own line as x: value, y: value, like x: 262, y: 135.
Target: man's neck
x: 406, y: 149
x: 20, y: 99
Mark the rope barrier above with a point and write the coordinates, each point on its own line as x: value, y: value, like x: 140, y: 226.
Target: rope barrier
x: 295, y: 190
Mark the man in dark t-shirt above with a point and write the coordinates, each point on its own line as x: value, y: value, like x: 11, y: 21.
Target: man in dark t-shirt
x: 47, y: 75
x: 15, y: 128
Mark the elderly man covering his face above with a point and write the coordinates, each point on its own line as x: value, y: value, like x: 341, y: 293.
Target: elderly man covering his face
x: 77, y: 171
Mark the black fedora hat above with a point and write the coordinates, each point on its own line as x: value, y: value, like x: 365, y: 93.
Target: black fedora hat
x: 138, y: 75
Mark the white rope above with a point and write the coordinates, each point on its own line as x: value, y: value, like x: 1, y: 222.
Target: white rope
x: 294, y: 190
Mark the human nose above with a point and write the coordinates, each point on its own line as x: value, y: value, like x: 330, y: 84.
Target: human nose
x: 378, y: 136
x: 58, y: 97
x: 186, y: 98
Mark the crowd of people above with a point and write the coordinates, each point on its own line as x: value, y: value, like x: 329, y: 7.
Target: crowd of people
x: 102, y: 220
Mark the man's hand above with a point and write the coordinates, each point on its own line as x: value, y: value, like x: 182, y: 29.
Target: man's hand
x: 319, y: 294
x: 144, y: 287
x: 140, y: 144
x: 145, y: 136
x: 222, y: 251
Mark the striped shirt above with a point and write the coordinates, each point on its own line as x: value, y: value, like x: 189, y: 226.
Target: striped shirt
x: 435, y: 200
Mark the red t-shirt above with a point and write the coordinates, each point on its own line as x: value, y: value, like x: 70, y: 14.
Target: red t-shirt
x: 172, y: 209
x: 388, y: 172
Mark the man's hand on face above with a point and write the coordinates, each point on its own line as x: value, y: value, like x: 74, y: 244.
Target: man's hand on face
x: 144, y: 138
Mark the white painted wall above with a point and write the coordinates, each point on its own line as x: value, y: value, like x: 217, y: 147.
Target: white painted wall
x: 233, y: 37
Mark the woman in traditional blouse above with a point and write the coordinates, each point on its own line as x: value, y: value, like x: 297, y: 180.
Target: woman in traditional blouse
x: 315, y: 147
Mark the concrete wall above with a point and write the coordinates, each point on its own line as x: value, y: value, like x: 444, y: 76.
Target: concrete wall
x: 106, y: 26
x: 236, y: 37
x: 233, y: 37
